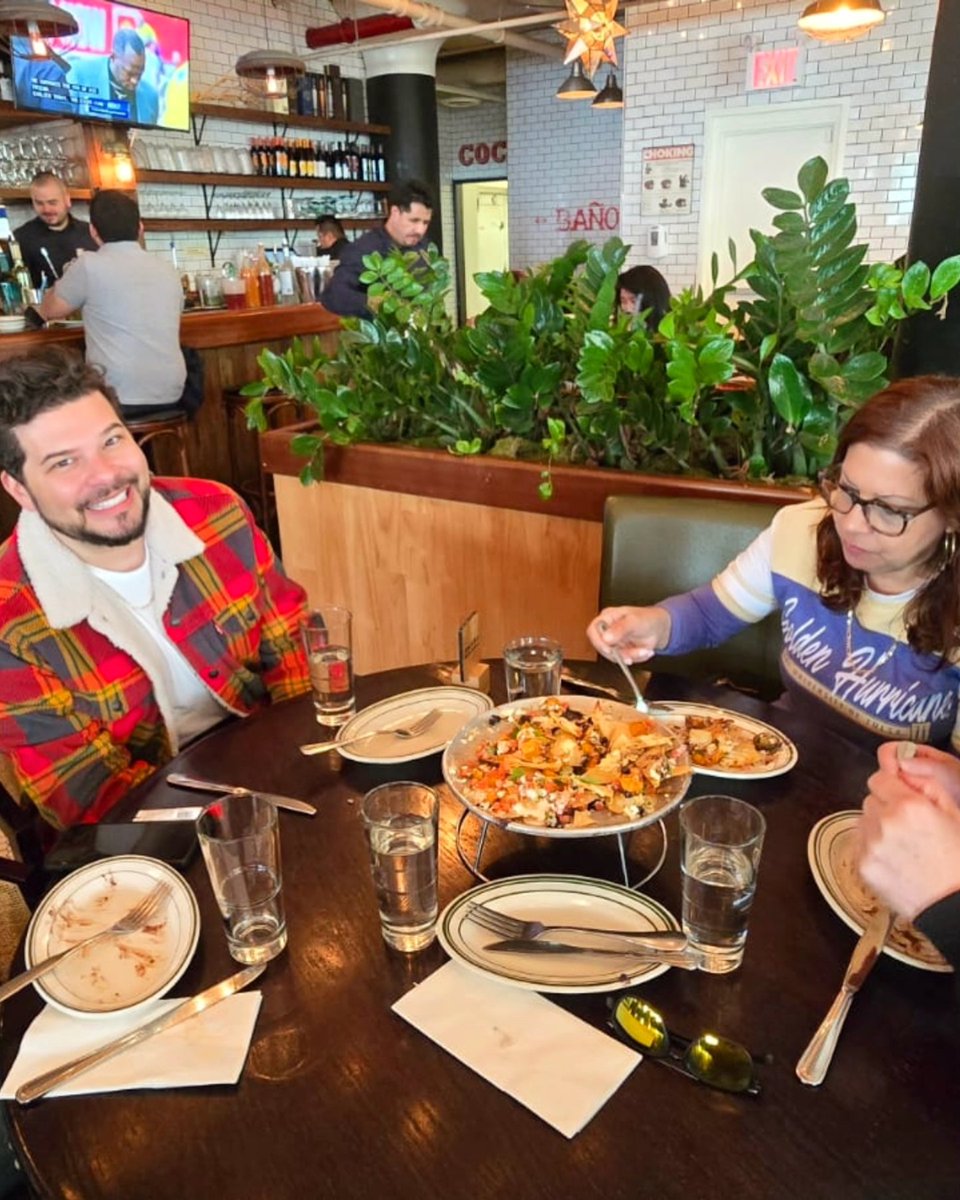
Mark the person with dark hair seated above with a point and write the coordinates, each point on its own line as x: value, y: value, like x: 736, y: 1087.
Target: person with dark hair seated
x: 410, y: 207
x: 866, y: 579
x: 131, y: 302
x: 643, y: 288
x: 135, y: 612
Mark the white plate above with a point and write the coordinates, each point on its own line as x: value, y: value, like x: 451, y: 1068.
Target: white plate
x: 457, y: 705
x: 462, y: 750
x: 784, y: 761
x: 119, y: 974
x: 832, y: 851
x: 555, y: 900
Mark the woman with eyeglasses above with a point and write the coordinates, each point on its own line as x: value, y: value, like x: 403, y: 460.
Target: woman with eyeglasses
x: 866, y: 578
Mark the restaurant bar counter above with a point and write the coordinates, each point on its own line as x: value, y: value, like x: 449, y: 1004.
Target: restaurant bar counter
x: 229, y: 343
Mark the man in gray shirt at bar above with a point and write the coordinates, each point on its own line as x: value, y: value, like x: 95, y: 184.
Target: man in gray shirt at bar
x: 131, y: 302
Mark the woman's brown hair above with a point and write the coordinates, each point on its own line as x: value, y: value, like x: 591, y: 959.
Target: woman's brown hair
x: 919, y: 419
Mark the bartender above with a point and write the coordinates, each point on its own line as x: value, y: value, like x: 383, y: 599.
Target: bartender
x: 54, y: 236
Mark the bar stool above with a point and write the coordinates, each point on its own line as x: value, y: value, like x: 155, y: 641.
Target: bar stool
x: 279, y: 409
x: 170, y: 423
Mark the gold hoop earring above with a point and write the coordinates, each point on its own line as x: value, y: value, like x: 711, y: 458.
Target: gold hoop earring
x: 949, y: 548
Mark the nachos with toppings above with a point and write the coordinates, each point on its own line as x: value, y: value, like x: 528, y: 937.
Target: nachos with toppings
x: 554, y: 766
x: 720, y: 741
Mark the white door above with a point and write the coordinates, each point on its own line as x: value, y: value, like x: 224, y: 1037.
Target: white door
x: 752, y: 149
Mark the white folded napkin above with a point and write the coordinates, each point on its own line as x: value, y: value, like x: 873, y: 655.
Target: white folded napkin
x: 556, y: 1065
x: 208, y: 1048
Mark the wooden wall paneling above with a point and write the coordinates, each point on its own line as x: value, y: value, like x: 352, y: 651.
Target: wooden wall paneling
x: 411, y: 568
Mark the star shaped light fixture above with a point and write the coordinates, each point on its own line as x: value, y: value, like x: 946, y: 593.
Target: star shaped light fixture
x: 590, y: 32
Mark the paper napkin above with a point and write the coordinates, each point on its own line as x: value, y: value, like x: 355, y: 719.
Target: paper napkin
x: 556, y: 1065
x: 208, y: 1048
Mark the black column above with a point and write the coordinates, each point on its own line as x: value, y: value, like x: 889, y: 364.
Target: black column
x: 926, y: 344
x: 408, y: 104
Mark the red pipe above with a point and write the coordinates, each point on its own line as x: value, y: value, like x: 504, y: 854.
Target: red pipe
x: 350, y: 31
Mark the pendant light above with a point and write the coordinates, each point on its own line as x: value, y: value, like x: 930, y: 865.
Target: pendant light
x: 274, y: 66
x: 36, y: 20
x: 611, y: 96
x: 841, y: 20
x: 576, y: 86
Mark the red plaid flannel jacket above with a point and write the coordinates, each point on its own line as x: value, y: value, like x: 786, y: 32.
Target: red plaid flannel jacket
x: 79, y: 721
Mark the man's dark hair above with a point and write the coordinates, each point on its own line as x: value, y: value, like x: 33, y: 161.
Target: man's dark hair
x: 31, y: 384
x: 406, y: 192
x: 328, y: 223
x: 128, y: 39
x: 115, y: 215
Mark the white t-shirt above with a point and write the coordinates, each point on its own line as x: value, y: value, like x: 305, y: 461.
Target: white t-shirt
x: 196, y: 708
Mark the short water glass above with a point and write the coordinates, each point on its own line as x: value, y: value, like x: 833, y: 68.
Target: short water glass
x: 720, y: 843
x: 401, y: 822
x: 532, y: 667
x: 327, y: 642
x: 240, y: 840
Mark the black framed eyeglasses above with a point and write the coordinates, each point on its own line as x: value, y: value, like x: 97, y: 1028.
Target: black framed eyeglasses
x: 882, y: 518
x: 708, y: 1058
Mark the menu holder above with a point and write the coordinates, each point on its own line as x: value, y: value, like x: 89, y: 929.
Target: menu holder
x: 472, y: 672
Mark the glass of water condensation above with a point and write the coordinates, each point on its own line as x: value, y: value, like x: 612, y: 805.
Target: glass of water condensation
x: 240, y: 840
x: 326, y: 639
x: 532, y: 667
x: 400, y: 820
x: 720, y: 843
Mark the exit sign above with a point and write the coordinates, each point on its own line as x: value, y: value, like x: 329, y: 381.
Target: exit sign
x: 767, y: 69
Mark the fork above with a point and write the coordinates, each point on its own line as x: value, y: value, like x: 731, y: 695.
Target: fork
x: 404, y: 732
x: 142, y: 913
x: 639, y: 703
x: 512, y: 927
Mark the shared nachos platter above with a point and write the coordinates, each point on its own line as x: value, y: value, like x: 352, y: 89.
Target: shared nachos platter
x: 568, y: 766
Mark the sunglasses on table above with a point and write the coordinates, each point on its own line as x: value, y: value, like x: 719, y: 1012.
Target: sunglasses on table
x: 708, y: 1058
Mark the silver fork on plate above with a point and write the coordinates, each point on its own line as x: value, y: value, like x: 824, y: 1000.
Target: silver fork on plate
x: 142, y: 913
x: 512, y: 927
x: 404, y: 732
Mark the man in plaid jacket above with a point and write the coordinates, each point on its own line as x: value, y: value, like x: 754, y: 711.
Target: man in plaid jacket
x: 134, y: 613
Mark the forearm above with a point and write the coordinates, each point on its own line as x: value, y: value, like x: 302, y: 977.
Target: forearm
x: 699, y: 619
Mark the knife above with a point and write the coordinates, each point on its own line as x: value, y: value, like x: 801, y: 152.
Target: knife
x: 690, y: 959
x: 815, y: 1060
x: 33, y: 1089
x: 207, y: 785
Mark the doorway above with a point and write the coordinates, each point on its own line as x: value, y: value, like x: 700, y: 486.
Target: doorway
x: 482, y: 239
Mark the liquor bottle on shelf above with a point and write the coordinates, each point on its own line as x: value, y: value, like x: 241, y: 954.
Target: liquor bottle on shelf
x: 265, y: 278
x: 287, y: 277
x: 28, y: 292
x: 248, y: 273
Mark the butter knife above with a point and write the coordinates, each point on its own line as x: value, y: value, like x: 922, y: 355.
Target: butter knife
x: 226, y: 789
x: 33, y: 1089
x: 689, y: 959
x: 815, y: 1060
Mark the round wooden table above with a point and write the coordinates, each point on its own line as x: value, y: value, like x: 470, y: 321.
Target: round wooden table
x: 340, y: 1098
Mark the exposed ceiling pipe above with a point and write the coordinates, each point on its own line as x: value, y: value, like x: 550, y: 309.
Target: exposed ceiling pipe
x: 351, y: 31
x: 484, y: 29
x: 429, y: 14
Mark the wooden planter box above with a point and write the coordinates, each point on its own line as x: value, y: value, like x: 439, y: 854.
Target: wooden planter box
x: 413, y: 541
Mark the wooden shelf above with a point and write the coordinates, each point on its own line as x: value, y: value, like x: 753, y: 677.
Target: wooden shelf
x: 23, y: 193
x: 256, y: 116
x: 11, y: 115
x: 241, y: 224
x: 259, y: 181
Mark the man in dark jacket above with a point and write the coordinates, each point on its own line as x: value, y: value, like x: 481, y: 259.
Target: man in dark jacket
x: 410, y: 207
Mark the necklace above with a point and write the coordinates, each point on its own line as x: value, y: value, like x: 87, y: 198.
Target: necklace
x: 863, y: 672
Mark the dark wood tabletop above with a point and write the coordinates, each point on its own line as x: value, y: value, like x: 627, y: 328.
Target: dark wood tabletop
x: 341, y: 1098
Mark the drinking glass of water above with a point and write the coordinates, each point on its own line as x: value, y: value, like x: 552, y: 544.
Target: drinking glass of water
x: 400, y: 820
x: 720, y: 843
x: 532, y: 667
x: 327, y: 642
x: 240, y: 840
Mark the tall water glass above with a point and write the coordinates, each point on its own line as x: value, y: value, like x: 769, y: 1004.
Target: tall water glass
x: 240, y: 840
x: 400, y: 820
x: 326, y: 633
x: 532, y: 667
x: 720, y: 843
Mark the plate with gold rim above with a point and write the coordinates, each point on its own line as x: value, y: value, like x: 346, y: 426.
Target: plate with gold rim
x: 832, y: 854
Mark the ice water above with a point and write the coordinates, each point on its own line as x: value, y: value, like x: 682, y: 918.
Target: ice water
x: 331, y: 675
x: 403, y: 859
x: 532, y: 678
x: 252, y: 909
x: 718, y: 888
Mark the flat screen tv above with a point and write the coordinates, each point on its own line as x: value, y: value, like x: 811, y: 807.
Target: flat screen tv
x: 127, y: 65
